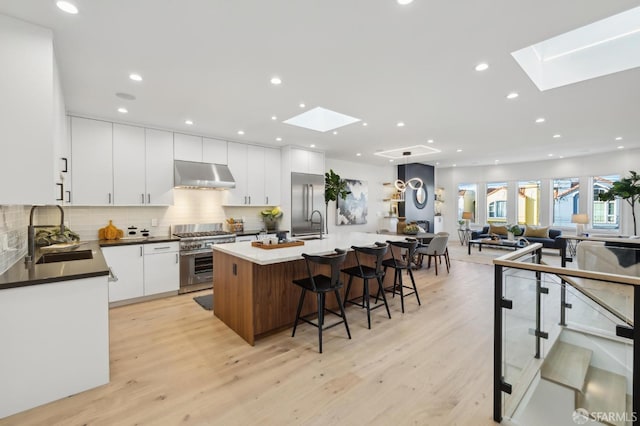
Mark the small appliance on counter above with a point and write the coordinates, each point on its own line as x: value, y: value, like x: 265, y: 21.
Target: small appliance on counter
x: 235, y: 225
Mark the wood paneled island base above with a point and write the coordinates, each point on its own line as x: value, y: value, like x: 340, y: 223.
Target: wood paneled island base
x: 256, y: 299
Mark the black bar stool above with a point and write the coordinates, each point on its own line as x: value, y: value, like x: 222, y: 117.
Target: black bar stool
x: 400, y: 263
x: 321, y: 285
x: 366, y: 273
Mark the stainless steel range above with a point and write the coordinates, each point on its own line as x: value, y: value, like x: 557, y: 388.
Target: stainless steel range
x: 196, y: 256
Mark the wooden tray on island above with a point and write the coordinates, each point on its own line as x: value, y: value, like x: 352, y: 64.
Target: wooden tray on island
x: 276, y: 246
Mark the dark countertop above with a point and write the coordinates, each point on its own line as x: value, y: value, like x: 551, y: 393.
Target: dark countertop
x: 141, y: 240
x: 19, y: 275
x: 256, y: 232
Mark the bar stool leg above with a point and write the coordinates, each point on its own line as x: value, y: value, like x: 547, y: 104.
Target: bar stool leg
x: 320, y: 318
x: 298, y: 312
x: 384, y: 298
x: 435, y: 262
x: 365, y: 293
x: 346, y: 293
x: 344, y: 315
x: 402, y: 287
x: 415, y: 290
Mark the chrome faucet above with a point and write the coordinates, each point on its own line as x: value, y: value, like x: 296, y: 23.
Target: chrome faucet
x: 321, y: 220
x: 31, y: 233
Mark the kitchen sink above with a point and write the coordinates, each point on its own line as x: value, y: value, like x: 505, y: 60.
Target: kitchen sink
x: 65, y: 256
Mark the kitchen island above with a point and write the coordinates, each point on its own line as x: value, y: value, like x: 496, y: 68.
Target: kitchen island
x: 254, y: 294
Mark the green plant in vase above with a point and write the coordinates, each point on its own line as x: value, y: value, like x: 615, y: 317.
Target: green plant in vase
x: 628, y: 189
x: 334, y: 187
x: 270, y: 217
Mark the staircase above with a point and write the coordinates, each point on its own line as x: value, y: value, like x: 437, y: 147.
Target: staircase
x: 601, y: 393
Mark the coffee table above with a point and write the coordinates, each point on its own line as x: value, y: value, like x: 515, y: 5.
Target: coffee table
x: 494, y: 243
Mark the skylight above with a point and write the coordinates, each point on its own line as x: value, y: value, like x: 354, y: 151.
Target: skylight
x: 601, y: 48
x: 321, y: 120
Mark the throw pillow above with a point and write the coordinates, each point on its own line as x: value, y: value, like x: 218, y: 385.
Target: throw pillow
x: 499, y: 230
x: 536, y: 231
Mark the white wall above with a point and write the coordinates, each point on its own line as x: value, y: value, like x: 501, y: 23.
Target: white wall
x: 375, y: 176
x: 618, y: 162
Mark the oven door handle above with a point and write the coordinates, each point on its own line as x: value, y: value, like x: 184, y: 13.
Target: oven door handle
x: 196, y: 252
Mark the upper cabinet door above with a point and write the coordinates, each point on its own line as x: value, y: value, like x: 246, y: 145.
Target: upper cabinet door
x: 272, y: 185
x: 299, y: 161
x: 91, y: 148
x: 255, y: 175
x: 214, y: 151
x: 129, y: 165
x: 187, y: 147
x: 237, y: 161
x: 159, y: 161
x: 315, y: 163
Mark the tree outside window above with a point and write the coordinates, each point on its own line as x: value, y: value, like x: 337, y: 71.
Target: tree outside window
x: 604, y: 214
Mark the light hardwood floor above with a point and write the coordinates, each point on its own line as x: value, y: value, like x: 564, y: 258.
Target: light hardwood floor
x: 173, y: 363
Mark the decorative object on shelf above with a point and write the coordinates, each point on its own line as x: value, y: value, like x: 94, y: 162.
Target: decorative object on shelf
x: 580, y: 219
x: 334, y: 187
x: 513, y: 231
x: 413, y: 183
x: 402, y: 223
x: 628, y: 189
x: 110, y: 232
x: 353, y: 210
x: 411, y: 229
x: 270, y: 218
x: 235, y: 225
x: 467, y: 216
x: 439, y: 201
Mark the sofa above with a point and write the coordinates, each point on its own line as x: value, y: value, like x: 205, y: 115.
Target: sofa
x: 621, y: 258
x: 553, y: 242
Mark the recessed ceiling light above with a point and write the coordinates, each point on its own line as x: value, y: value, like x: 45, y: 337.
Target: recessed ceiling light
x: 549, y: 155
x: 437, y: 163
x: 400, y: 124
x: 65, y: 6
x: 312, y: 145
x: 561, y: 156
x: 358, y: 154
x: 404, y: 2
x: 453, y: 165
x: 122, y: 110
x: 274, y: 118
x: 556, y: 136
x: 365, y: 124
x: 241, y: 132
x: 135, y: 77
x: 279, y: 139
x: 391, y: 161
x: 620, y: 147
x: 619, y: 138
x: 189, y: 122
x: 276, y: 81
x: 540, y: 120
x: 125, y: 96
x: 512, y: 95
x: 458, y: 150
x: 335, y: 132
x: 302, y: 105
x: 496, y: 161
x: 482, y: 67
x: 430, y: 141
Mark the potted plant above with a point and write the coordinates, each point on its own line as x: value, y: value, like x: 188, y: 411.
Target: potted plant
x: 461, y: 224
x: 513, y: 231
x: 334, y: 187
x: 270, y: 218
x: 628, y: 189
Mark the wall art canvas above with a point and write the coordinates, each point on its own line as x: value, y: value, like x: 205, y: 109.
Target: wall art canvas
x: 353, y: 210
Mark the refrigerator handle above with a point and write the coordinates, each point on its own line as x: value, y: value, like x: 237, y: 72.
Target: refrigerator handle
x: 312, y: 197
x: 304, y: 201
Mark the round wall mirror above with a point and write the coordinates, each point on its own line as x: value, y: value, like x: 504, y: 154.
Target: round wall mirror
x: 420, y: 197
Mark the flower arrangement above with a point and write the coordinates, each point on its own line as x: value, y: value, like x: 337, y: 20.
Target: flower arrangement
x: 274, y: 213
x: 514, y: 229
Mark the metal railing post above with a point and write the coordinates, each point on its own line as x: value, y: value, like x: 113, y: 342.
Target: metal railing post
x: 497, y: 345
x: 636, y: 357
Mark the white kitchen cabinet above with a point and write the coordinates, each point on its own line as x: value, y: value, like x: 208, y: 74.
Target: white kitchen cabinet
x: 27, y: 103
x: 214, y: 151
x: 187, y: 147
x: 256, y: 171
x: 272, y: 181
x: 237, y: 162
x: 92, y: 165
x: 129, y: 165
x: 161, y: 268
x: 126, y: 266
x: 303, y: 161
x: 159, y: 167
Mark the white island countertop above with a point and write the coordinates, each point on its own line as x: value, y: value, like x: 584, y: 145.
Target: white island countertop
x: 343, y: 240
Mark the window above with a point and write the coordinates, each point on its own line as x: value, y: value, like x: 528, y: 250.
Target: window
x: 566, y: 197
x: 529, y: 202
x: 604, y: 214
x: 467, y: 199
x: 497, y: 202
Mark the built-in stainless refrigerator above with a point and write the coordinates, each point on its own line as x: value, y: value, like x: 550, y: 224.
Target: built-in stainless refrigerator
x: 307, y: 195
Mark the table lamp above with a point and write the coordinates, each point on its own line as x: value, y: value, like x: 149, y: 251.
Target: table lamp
x: 467, y: 216
x: 580, y: 220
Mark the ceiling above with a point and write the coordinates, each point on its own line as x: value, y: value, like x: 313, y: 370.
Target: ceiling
x: 211, y: 61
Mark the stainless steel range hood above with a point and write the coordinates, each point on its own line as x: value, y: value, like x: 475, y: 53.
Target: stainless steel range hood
x: 191, y: 174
